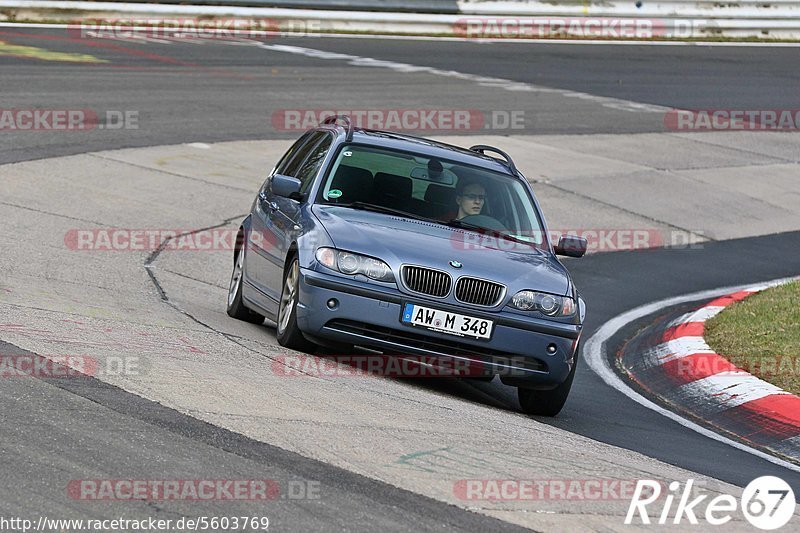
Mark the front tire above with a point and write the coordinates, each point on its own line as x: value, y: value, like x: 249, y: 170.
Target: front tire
x: 547, y: 402
x: 236, y: 307
x: 289, y: 335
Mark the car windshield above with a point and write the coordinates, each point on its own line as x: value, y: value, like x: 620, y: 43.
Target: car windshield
x: 447, y: 192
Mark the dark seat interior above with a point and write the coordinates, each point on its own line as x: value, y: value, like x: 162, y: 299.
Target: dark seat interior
x: 392, y: 190
x: 355, y: 183
x: 440, y: 200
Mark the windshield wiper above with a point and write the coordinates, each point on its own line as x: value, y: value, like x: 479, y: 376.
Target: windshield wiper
x: 366, y: 206
x: 456, y: 223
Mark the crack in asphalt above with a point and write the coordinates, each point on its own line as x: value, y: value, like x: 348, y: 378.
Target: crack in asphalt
x: 194, y: 279
x: 151, y: 259
x: 149, y: 267
x: 73, y: 312
x: 742, y: 150
x: 59, y: 215
x: 168, y: 173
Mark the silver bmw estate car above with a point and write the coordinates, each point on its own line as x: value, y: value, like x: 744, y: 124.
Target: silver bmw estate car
x: 409, y: 246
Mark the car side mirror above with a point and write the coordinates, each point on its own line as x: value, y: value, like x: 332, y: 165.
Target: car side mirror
x: 286, y: 186
x: 571, y: 246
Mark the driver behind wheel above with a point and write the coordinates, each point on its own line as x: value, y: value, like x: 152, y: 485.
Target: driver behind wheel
x: 471, y: 197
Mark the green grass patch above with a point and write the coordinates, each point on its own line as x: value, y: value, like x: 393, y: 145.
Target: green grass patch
x: 761, y: 335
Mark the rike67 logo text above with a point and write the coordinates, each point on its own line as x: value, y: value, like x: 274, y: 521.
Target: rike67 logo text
x: 767, y: 503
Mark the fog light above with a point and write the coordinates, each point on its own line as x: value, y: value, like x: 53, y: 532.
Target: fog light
x: 333, y: 303
x: 551, y: 349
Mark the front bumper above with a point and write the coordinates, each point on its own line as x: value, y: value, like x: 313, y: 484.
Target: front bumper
x: 369, y: 315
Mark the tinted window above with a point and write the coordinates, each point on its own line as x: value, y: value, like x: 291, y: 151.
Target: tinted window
x: 408, y: 182
x: 287, y: 157
x: 299, y: 157
x: 280, y: 168
x: 308, y: 171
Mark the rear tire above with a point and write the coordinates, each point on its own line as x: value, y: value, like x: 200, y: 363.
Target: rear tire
x: 289, y: 335
x: 547, y: 402
x: 236, y: 307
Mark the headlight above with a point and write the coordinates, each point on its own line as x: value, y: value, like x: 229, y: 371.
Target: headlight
x: 348, y: 263
x: 547, y: 304
x: 352, y: 264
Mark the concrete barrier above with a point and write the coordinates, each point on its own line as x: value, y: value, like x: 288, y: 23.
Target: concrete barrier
x: 476, y: 19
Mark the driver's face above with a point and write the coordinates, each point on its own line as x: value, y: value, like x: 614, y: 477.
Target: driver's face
x: 471, y: 200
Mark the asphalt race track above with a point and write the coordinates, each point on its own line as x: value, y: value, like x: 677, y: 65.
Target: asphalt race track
x: 57, y: 430
x: 178, y: 89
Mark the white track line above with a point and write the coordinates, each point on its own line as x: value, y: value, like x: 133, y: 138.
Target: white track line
x: 484, y: 81
x: 595, y: 355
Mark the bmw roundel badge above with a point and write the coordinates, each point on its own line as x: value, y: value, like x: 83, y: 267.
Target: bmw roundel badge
x: 455, y: 264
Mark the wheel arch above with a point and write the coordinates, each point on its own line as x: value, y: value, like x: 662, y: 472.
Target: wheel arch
x: 291, y: 253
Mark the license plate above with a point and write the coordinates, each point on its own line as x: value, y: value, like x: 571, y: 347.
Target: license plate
x: 444, y: 322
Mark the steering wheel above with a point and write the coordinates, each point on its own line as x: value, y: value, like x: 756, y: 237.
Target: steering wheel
x: 485, y: 221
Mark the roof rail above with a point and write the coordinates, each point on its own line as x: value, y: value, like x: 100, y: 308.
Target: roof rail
x: 483, y: 148
x: 332, y: 120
